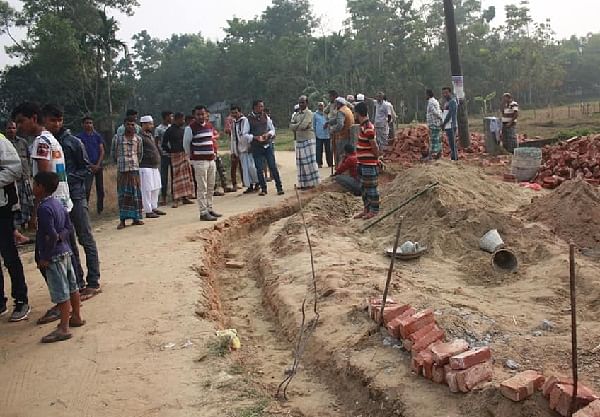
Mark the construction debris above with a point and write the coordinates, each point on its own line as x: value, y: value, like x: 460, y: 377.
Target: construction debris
x: 575, y: 158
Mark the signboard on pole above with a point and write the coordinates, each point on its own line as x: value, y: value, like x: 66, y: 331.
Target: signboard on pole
x: 458, y: 83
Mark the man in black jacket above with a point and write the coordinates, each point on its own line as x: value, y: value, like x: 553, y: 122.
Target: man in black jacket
x: 78, y: 169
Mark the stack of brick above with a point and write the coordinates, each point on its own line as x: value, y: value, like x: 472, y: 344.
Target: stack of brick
x: 450, y: 363
x: 559, y: 392
x: 575, y: 158
x: 411, y: 144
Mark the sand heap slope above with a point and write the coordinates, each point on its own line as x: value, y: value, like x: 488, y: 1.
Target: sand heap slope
x: 572, y: 211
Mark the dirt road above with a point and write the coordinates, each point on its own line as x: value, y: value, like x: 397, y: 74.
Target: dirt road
x: 144, y: 350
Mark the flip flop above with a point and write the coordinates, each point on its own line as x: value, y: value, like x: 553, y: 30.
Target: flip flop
x: 71, y: 324
x: 87, y: 293
x: 50, y: 316
x: 138, y: 223
x: 55, y: 336
x: 121, y: 226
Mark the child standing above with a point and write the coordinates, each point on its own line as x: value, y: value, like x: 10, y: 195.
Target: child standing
x: 53, y: 255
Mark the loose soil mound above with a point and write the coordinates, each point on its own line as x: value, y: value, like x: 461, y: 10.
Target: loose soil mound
x: 572, y: 211
x: 453, y: 217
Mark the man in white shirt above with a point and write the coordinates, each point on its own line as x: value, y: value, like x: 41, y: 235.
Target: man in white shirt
x: 383, y: 117
x: 241, y: 148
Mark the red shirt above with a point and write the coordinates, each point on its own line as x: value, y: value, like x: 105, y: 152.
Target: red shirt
x: 364, y: 150
x: 349, y: 164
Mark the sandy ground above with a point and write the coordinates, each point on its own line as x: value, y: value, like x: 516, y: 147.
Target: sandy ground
x: 143, y: 351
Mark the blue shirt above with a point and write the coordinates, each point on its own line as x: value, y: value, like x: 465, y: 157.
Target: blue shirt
x: 54, y: 227
x: 92, y: 145
x: 319, y: 120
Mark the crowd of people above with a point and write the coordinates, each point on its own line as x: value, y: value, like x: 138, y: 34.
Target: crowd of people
x: 46, y: 181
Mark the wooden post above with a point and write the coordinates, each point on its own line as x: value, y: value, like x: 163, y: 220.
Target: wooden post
x: 463, y: 117
x: 573, y: 324
x: 390, y: 271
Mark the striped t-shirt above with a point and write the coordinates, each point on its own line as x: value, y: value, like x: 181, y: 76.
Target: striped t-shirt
x: 202, y: 147
x: 364, y: 149
x: 509, y: 111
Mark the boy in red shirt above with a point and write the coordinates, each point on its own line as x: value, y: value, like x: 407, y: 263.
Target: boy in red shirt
x: 368, y: 163
x: 347, y: 173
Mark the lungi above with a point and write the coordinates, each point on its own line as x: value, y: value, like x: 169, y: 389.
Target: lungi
x: 306, y: 162
x: 26, y: 205
x: 435, y: 144
x: 129, y: 195
x: 509, y: 138
x: 249, y: 174
x: 150, y: 185
x: 381, y: 135
x: 368, y: 184
x: 183, y: 182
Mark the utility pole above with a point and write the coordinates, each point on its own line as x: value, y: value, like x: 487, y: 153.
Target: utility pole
x: 463, y: 117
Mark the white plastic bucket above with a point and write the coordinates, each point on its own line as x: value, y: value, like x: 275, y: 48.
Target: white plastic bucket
x: 491, y: 241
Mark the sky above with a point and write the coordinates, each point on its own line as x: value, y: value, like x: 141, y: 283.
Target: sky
x: 164, y: 18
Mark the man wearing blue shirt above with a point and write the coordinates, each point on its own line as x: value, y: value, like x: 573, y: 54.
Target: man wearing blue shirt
x: 322, y: 134
x: 94, y: 146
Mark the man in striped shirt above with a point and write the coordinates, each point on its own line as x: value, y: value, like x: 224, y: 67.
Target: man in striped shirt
x: 199, y: 146
x: 510, y: 113
x: 367, y: 153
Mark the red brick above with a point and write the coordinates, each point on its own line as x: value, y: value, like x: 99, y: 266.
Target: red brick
x: 592, y: 410
x: 470, y: 358
x: 390, y: 313
x: 468, y: 379
x: 421, y: 332
x: 442, y: 352
x: 451, y: 378
x: 416, y: 365
x: 561, y: 397
x: 551, y: 382
x: 433, y: 336
x: 521, y: 386
x: 439, y: 374
x: 373, y: 303
x: 427, y: 360
x: 393, y: 326
x: 409, y: 325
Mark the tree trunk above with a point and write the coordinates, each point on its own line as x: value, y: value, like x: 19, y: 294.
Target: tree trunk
x: 109, y: 91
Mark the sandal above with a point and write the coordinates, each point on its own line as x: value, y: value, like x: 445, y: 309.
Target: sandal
x: 88, y: 292
x: 50, y: 316
x: 138, y: 223
x: 121, y: 226
x: 369, y: 215
x: 73, y: 324
x: 56, y: 336
x: 360, y: 215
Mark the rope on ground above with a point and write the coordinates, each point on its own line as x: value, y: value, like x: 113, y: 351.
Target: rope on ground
x: 305, y: 331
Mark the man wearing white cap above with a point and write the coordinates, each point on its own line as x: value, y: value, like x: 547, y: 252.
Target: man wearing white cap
x: 350, y: 101
x: 150, y: 170
x: 360, y: 97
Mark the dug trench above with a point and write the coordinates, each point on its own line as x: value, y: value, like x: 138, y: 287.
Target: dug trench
x: 350, y: 369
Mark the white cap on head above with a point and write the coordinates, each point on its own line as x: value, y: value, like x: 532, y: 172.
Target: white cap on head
x: 321, y: 103
x: 360, y: 97
x: 350, y: 97
x: 146, y: 119
x: 340, y: 100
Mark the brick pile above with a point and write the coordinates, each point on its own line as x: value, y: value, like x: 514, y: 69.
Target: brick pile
x: 575, y: 158
x: 411, y: 144
x: 462, y: 368
x: 451, y: 363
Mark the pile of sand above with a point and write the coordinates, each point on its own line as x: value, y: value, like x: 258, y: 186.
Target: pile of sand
x: 453, y: 217
x: 572, y: 211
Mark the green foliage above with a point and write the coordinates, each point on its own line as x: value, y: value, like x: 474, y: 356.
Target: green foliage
x: 72, y: 56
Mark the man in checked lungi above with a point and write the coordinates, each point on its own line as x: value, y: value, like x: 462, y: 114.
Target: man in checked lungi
x: 126, y: 151
x: 183, y: 183
x: 306, y: 146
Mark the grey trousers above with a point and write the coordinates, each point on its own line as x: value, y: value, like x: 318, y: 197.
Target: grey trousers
x: 81, y: 222
x: 349, y: 184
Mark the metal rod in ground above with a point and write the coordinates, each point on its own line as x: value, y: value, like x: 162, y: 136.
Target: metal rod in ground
x: 573, y: 326
x: 410, y: 200
x: 390, y: 272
